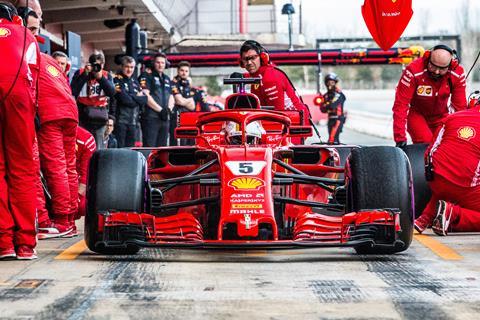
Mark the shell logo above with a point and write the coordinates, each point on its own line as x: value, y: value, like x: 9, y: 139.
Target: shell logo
x: 466, y: 133
x: 4, y: 32
x: 247, y: 183
x: 53, y: 71
x: 420, y: 90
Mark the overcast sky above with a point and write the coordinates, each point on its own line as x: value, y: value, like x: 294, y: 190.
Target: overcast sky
x: 343, y: 18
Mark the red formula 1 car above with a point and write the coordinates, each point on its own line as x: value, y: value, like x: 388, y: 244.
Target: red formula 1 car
x: 247, y: 190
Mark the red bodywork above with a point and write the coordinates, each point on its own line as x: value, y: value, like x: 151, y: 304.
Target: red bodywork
x: 247, y: 195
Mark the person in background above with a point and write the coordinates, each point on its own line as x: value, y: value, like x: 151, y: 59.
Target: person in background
x: 93, y: 88
x: 130, y: 100
x: 333, y: 104
x: 183, y: 95
x: 429, y: 89
x: 62, y: 61
x: 155, y: 125
x: 109, y: 140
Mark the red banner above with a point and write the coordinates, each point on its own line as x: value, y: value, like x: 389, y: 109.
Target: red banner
x: 386, y: 20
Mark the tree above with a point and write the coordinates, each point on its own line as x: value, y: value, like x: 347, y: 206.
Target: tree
x: 214, y: 89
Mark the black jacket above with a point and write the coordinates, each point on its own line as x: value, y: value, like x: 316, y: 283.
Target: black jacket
x: 160, y: 89
x: 128, y: 104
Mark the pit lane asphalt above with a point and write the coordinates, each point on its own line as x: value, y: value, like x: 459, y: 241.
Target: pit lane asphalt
x: 437, y: 278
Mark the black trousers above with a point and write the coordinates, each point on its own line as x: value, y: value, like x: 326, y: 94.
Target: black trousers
x: 155, y: 132
x: 125, y: 134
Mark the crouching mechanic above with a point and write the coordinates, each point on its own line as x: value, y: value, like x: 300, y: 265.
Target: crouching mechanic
x: 333, y: 101
x: 276, y: 88
x: 455, y: 202
x: 423, y: 94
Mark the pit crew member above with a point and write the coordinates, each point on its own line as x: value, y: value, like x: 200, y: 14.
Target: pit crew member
x: 276, y: 88
x: 18, y: 77
x: 455, y: 202
x: 423, y: 94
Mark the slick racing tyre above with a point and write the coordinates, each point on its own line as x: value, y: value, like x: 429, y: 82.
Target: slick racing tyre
x: 116, y: 183
x: 380, y: 177
x: 422, y: 192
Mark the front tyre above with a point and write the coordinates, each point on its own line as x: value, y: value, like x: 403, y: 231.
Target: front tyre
x: 380, y: 177
x: 116, y: 183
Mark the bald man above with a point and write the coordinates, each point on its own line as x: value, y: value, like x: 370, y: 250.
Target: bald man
x: 430, y: 88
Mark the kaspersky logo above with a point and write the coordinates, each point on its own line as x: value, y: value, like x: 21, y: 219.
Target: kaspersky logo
x: 4, y: 32
x: 53, y: 71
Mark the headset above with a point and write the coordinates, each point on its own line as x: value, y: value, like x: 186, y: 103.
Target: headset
x: 453, y: 63
x: 12, y: 13
x: 262, y: 52
x: 25, y: 12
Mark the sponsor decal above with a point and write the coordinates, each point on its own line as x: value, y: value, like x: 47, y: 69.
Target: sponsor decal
x: 250, y: 168
x: 246, y: 183
x: 248, y: 220
x: 246, y: 206
x: 53, y: 71
x: 425, y: 91
x: 4, y: 32
x: 247, y: 211
x: 466, y: 133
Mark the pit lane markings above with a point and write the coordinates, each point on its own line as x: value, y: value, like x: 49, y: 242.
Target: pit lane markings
x: 72, y: 252
x: 440, y: 249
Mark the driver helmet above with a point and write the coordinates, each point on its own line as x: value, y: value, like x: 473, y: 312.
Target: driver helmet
x: 254, y: 132
x: 331, y: 76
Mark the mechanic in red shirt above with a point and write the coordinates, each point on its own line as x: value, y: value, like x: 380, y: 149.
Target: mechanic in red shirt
x: 276, y: 88
x: 85, y: 148
x: 423, y: 94
x: 58, y: 115
x: 18, y: 77
x: 455, y: 202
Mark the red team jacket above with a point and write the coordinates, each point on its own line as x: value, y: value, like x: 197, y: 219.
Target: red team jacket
x: 455, y: 151
x: 10, y: 33
x: 419, y: 92
x: 84, y: 149
x: 277, y: 91
x: 55, y: 100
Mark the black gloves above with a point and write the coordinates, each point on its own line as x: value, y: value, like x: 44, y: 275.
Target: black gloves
x: 401, y: 144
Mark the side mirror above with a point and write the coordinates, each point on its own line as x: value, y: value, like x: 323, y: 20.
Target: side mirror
x: 187, y: 132
x: 300, y: 131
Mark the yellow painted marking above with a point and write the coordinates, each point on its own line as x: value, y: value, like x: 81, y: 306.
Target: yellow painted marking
x: 440, y: 249
x: 4, y: 284
x: 72, y: 252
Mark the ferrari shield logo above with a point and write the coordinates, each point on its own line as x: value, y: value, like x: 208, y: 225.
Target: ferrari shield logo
x: 4, y: 32
x: 466, y: 133
x: 53, y: 71
x: 246, y: 183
